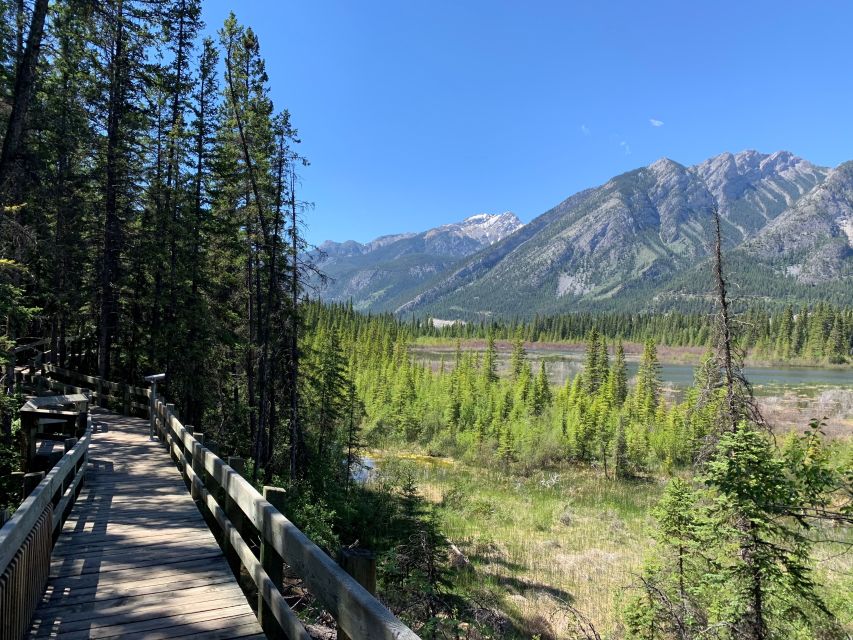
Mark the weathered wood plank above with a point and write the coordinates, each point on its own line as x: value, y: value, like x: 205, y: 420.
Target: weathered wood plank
x: 135, y: 558
x: 184, y: 600
x: 127, y: 626
x: 96, y: 593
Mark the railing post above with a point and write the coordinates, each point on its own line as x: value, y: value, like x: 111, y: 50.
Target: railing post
x: 198, y: 469
x: 361, y: 565
x: 167, y: 420
x: 152, y: 415
x: 126, y: 399
x: 69, y: 445
x: 273, y: 564
x: 31, y: 481
x: 18, y: 481
x: 152, y: 402
x: 234, y: 514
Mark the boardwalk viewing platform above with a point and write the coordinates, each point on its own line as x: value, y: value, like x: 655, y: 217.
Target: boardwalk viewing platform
x: 141, y: 531
x: 136, y: 557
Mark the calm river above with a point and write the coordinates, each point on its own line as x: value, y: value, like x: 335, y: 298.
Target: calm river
x: 562, y: 365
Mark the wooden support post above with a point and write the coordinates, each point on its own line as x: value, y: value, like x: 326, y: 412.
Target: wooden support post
x: 100, y: 389
x: 152, y: 415
x: 167, y: 417
x: 273, y: 564
x: 235, y: 515
x: 17, y: 480
x: 31, y: 481
x: 199, y: 436
x: 237, y: 463
x: 198, y: 469
x: 361, y: 565
x: 126, y: 408
x: 29, y: 428
x: 69, y: 445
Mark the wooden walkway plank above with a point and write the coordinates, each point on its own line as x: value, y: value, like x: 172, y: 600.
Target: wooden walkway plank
x: 135, y: 559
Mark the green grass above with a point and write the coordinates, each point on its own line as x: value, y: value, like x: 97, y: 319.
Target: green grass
x: 564, y: 535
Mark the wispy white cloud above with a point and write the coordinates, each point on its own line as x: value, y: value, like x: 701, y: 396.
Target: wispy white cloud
x: 625, y: 147
x: 585, y: 130
x: 655, y: 122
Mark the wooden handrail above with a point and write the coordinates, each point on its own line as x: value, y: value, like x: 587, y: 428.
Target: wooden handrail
x: 55, y: 489
x: 358, y: 613
x: 26, y: 540
x: 128, y: 397
x: 30, y: 345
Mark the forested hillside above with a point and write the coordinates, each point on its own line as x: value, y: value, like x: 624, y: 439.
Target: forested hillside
x: 388, y: 271
x: 819, y: 335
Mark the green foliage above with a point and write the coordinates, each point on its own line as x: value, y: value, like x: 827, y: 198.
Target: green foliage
x: 738, y: 547
x: 776, y: 333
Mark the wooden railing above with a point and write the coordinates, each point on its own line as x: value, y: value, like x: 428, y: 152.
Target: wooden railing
x: 238, y: 508
x: 125, y: 398
x: 240, y: 515
x: 26, y: 540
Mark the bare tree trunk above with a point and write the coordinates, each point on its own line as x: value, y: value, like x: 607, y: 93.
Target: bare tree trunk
x: 250, y: 169
x: 172, y: 178
x: 112, y: 225
x: 297, y: 446
x: 24, y: 82
x: 725, y: 329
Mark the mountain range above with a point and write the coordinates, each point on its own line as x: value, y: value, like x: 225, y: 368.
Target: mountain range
x: 641, y: 241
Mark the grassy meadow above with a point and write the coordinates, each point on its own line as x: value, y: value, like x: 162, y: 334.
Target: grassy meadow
x: 534, y: 543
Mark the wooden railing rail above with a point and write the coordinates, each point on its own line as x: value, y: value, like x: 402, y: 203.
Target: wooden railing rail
x: 126, y: 398
x: 358, y: 613
x: 26, y: 540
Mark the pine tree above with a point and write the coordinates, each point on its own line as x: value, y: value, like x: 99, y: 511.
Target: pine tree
x: 518, y: 358
x: 647, y: 391
x: 594, y: 369
x: 617, y: 378
x: 541, y: 396
x: 666, y: 606
x: 490, y: 360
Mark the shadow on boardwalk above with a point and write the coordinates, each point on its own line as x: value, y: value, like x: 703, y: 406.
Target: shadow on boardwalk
x: 136, y: 559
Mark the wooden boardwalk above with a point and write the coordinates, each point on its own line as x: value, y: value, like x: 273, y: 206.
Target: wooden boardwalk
x: 136, y: 559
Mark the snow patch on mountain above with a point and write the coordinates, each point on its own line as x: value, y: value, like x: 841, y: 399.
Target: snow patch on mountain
x: 485, y: 228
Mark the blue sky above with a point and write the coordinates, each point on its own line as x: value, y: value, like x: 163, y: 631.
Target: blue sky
x: 415, y: 113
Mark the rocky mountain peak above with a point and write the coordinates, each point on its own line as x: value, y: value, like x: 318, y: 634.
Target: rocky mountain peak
x: 665, y: 165
x: 485, y: 228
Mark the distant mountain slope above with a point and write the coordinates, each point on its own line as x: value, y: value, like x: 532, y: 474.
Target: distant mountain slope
x: 641, y: 241
x: 626, y: 243
x: 751, y: 188
x: 389, y: 270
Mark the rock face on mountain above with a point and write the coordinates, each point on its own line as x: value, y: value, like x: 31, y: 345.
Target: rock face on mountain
x: 751, y: 188
x: 812, y: 242
x: 642, y: 240
x: 389, y: 270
